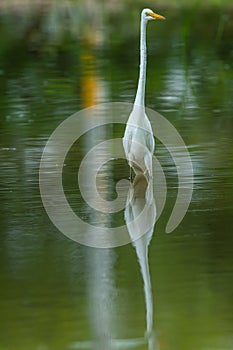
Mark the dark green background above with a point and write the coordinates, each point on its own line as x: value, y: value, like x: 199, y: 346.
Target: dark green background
x: 52, y: 58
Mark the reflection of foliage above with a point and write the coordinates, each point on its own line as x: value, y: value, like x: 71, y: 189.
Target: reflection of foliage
x: 51, y: 42
x: 45, y: 55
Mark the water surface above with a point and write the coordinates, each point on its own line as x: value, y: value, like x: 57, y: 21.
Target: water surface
x: 58, y: 294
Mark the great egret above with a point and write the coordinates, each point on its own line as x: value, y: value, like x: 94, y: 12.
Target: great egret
x: 138, y: 140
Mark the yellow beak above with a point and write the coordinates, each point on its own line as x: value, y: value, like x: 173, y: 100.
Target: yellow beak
x: 155, y: 15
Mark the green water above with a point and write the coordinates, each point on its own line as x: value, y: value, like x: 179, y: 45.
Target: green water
x: 57, y: 294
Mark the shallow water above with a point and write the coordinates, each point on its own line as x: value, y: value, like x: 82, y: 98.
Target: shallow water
x: 58, y: 294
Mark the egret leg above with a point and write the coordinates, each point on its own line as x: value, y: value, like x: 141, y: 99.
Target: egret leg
x: 130, y: 174
x: 148, y: 162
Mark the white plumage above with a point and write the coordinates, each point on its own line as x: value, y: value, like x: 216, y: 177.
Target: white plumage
x: 138, y: 140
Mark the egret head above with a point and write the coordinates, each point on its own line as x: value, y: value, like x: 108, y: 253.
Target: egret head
x: 148, y: 15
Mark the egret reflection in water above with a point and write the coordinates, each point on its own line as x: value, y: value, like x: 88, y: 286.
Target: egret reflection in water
x: 101, y: 267
x: 141, y: 203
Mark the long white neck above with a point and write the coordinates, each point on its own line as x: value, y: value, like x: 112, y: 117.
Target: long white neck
x: 140, y: 95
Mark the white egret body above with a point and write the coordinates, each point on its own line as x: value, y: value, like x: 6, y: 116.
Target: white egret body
x: 138, y: 140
